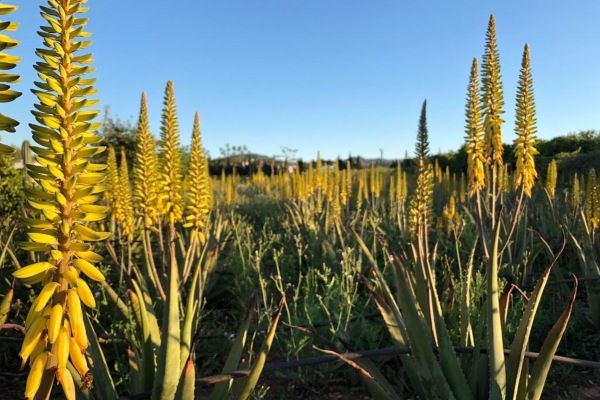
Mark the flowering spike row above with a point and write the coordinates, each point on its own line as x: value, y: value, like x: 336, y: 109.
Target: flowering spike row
x: 63, y: 201
x: 7, y: 63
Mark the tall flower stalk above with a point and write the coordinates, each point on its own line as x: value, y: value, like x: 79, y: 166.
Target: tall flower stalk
x: 525, y: 128
x: 198, y: 196
x: 146, y: 190
x: 169, y: 356
x: 64, y: 203
x: 474, y: 135
x: 492, y: 102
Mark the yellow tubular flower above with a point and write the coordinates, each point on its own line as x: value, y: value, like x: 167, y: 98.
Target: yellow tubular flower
x: 525, y: 128
x: 66, y: 381
x: 35, y: 376
x: 474, y: 139
x: 126, y: 206
x: 492, y: 97
x: 171, y: 197
x: 66, y: 192
x: 145, y: 170
x: 199, y: 195
x: 7, y: 62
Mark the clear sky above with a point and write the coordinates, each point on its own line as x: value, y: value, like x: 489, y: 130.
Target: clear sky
x: 339, y: 76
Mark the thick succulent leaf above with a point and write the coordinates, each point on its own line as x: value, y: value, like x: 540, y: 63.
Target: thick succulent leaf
x: 541, y: 367
x: 419, y: 336
x: 187, y: 382
x: 249, y: 383
x: 147, y: 367
x: 521, y: 340
x: 104, y: 386
x: 221, y: 390
x: 168, y: 361
x: 5, y: 305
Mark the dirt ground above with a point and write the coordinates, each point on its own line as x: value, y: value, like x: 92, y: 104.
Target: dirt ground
x: 583, y: 385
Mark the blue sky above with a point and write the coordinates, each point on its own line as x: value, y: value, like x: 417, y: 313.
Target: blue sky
x: 336, y: 76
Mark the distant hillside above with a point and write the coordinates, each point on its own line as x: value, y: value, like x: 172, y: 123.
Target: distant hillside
x: 575, y: 152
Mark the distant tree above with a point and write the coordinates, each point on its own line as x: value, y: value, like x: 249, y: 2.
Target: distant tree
x: 12, y: 195
x: 121, y: 135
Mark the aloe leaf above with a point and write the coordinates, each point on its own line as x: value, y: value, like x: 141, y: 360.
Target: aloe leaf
x: 250, y: 382
x: 187, y: 382
x: 416, y: 330
x: 221, y: 390
x: 104, y: 387
x: 378, y: 385
x: 168, y: 360
x: 147, y: 366
x: 5, y: 305
x: 591, y: 270
x: 521, y: 340
x: 188, y: 319
x: 494, y: 324
x: 466, y: 330
x: 121, y: 306
x: 541, y: 367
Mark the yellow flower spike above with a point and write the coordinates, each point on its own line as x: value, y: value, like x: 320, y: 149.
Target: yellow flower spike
x: 9, y: 62
x: 62, y: 347
x: 66, y: 381
x: 525, y: 129
x: 421, y: 204
x: 89, y: 269
x: 474, y: 145
x: 34, y: 379
x: 492, y: 97
x: 54, y: 322
x: 78, y: 358
x: 85, y: 294
x: 171, y: 172
x: 145, y: 170
x: 199, y: 187
x: 32, y: 270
